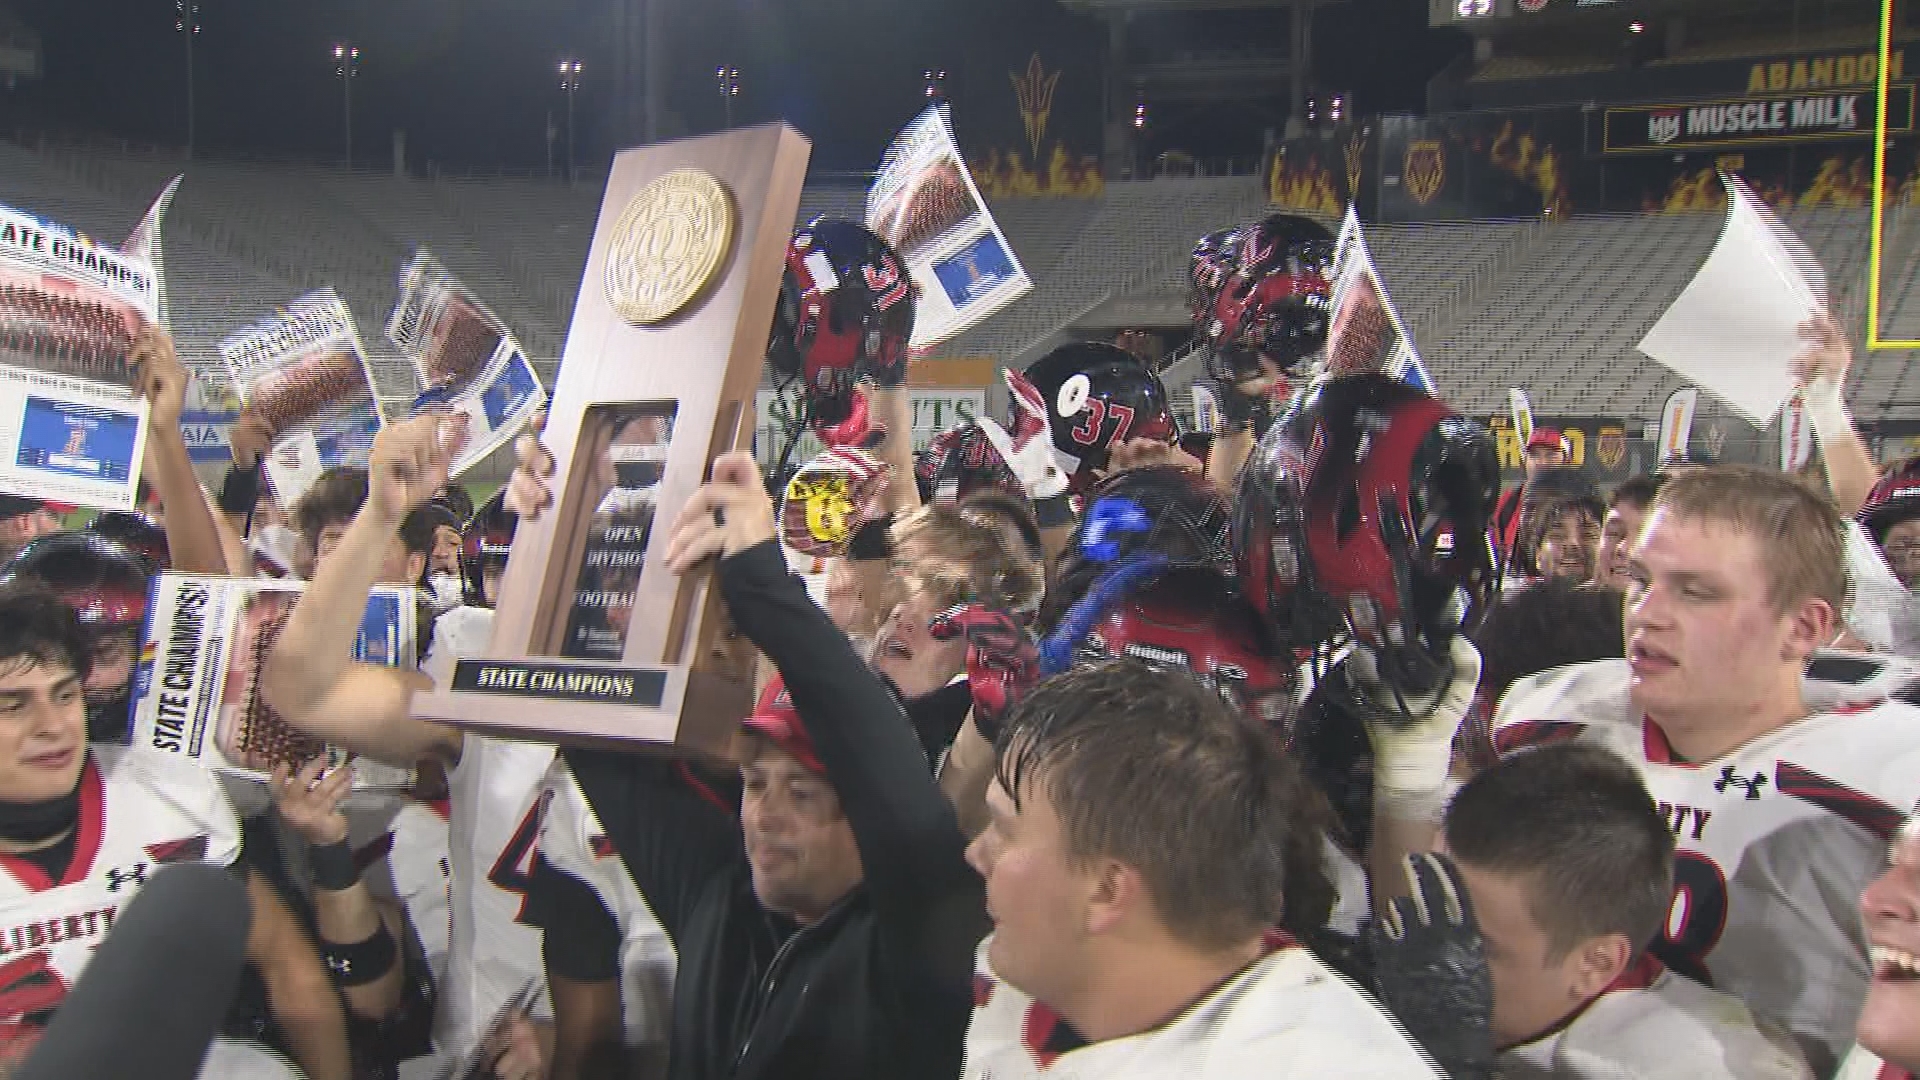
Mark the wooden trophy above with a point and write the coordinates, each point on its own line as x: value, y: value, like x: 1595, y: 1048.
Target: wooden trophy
x: 594, y: 639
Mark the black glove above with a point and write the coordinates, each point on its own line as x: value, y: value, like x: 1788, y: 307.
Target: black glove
x: 1240, y: 411
x: 1430, y: 969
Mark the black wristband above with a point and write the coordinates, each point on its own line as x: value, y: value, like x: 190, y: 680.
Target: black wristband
x: 333, y: 867
x: 241, y: 489
x: 362, y: 962
x: 1055, y: 512
x: 873, y: 540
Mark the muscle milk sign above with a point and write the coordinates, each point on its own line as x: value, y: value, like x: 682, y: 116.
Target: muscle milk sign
x: 1749, y: 121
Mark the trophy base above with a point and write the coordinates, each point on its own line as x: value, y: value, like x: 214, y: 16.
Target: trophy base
x: 580, y: 703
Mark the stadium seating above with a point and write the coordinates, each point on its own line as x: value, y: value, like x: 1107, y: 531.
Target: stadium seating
x: 1555, y: 306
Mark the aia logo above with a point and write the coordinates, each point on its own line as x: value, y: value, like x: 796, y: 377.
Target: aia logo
x: 1663, y: 127
x: 885, y: 281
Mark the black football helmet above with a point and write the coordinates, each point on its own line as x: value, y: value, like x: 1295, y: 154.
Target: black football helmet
x: 1363, y: 518
x: 1212, y: 263
x: 1097, y: 395
x: 845, y: 312
x: 107, y: 585
x: 1168, y: 513
x: 1274, y: 303
x: 484, y: 543
x: 138, y: 533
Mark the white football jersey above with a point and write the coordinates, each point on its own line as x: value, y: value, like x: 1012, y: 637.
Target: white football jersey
x: 1287, y: 1014
x: 573, y: 841
x: 1775, y: 841
x: 494, y: 796
x: 1863, y: 1064
x: 1654, y: 1025
x: 409, y: 861
x: 139, y: 811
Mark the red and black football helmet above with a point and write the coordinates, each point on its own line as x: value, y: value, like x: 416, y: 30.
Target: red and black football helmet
x: 136, y: 532
x: 1894, y: 499
x: 1363, y: 518
x: 1275, y: 303
x: 1191, y: 619
x: 845, y: 313
x: 1168, y: 513
x: 1209, y: 269
x: 484, y: 544
x: 107, y: 585
x: 1097, y: 395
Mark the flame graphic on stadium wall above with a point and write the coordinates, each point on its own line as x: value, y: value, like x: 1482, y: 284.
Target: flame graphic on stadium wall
x: 1535, y: 163
x: 1303, y: 185
x: 1034, y: 91
x: 1009, y: 176
x: 1841, y: 180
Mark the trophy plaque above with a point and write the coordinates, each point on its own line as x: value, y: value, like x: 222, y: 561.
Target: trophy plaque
x: 594, y: 639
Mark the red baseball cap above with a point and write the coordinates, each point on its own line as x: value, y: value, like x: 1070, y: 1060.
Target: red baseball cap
x: 776, y: 719
x: 1548, y: 438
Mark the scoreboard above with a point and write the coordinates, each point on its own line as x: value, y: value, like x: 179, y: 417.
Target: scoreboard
x: 1466, y: 12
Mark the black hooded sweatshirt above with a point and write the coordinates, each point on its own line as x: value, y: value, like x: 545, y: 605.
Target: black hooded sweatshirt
x: 881, y: 987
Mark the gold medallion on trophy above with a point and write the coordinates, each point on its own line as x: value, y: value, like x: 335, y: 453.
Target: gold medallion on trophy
x: 670, y: 243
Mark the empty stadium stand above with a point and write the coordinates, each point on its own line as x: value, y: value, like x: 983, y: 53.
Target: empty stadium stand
x: 1555, y: 306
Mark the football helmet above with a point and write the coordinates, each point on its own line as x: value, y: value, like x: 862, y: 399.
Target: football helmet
x: 136, y: 532
x: 1097, y: 395
x: 1275, y: 303
x: 845, y: 312
x: 1894, y: 499
x: 1190, y: 619
x: 1212, y: 262
x: 1363, y: 518
x: 484, y: 544
x: 1162, y: 511
x: 107, y: 585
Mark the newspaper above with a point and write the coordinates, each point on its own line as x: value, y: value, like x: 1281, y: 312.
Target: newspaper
x: 305, y: 375
x: 1366, y: 334
x: 478, y: 1062
x: 1735, y: 328
x: 196, y: 688
x: 72, y: 427
x: 925, y: 204
x: 467, y: 358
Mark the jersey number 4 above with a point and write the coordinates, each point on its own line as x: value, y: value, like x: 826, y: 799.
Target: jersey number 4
x: 513, y: 870
x: 1696, y: 919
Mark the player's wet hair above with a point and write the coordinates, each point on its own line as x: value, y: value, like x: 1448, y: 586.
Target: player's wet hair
x: 1152, y: 769
x: 975, y: 551
x: 1636, y: 491
x: 334, y: 499
x: 1802, y: 539
x: 38, y: 629
x: 1576, y: 824
x: 1545, y: 626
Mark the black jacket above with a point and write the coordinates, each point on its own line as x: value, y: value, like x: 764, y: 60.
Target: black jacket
x: 882, y: 986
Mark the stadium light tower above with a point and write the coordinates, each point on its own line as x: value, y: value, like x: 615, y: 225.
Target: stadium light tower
x: 346, y: 65
x: 186, y: 20
x: 729, y: 79
x: 570, y: 83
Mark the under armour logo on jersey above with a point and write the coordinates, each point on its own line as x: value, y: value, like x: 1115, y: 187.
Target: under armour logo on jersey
x: 1751, y: 785
x: 118, y: 878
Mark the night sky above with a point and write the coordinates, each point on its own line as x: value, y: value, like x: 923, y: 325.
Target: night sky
x: 473, y: 81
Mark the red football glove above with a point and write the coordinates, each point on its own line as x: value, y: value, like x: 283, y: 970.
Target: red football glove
x: 1002, y: 661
